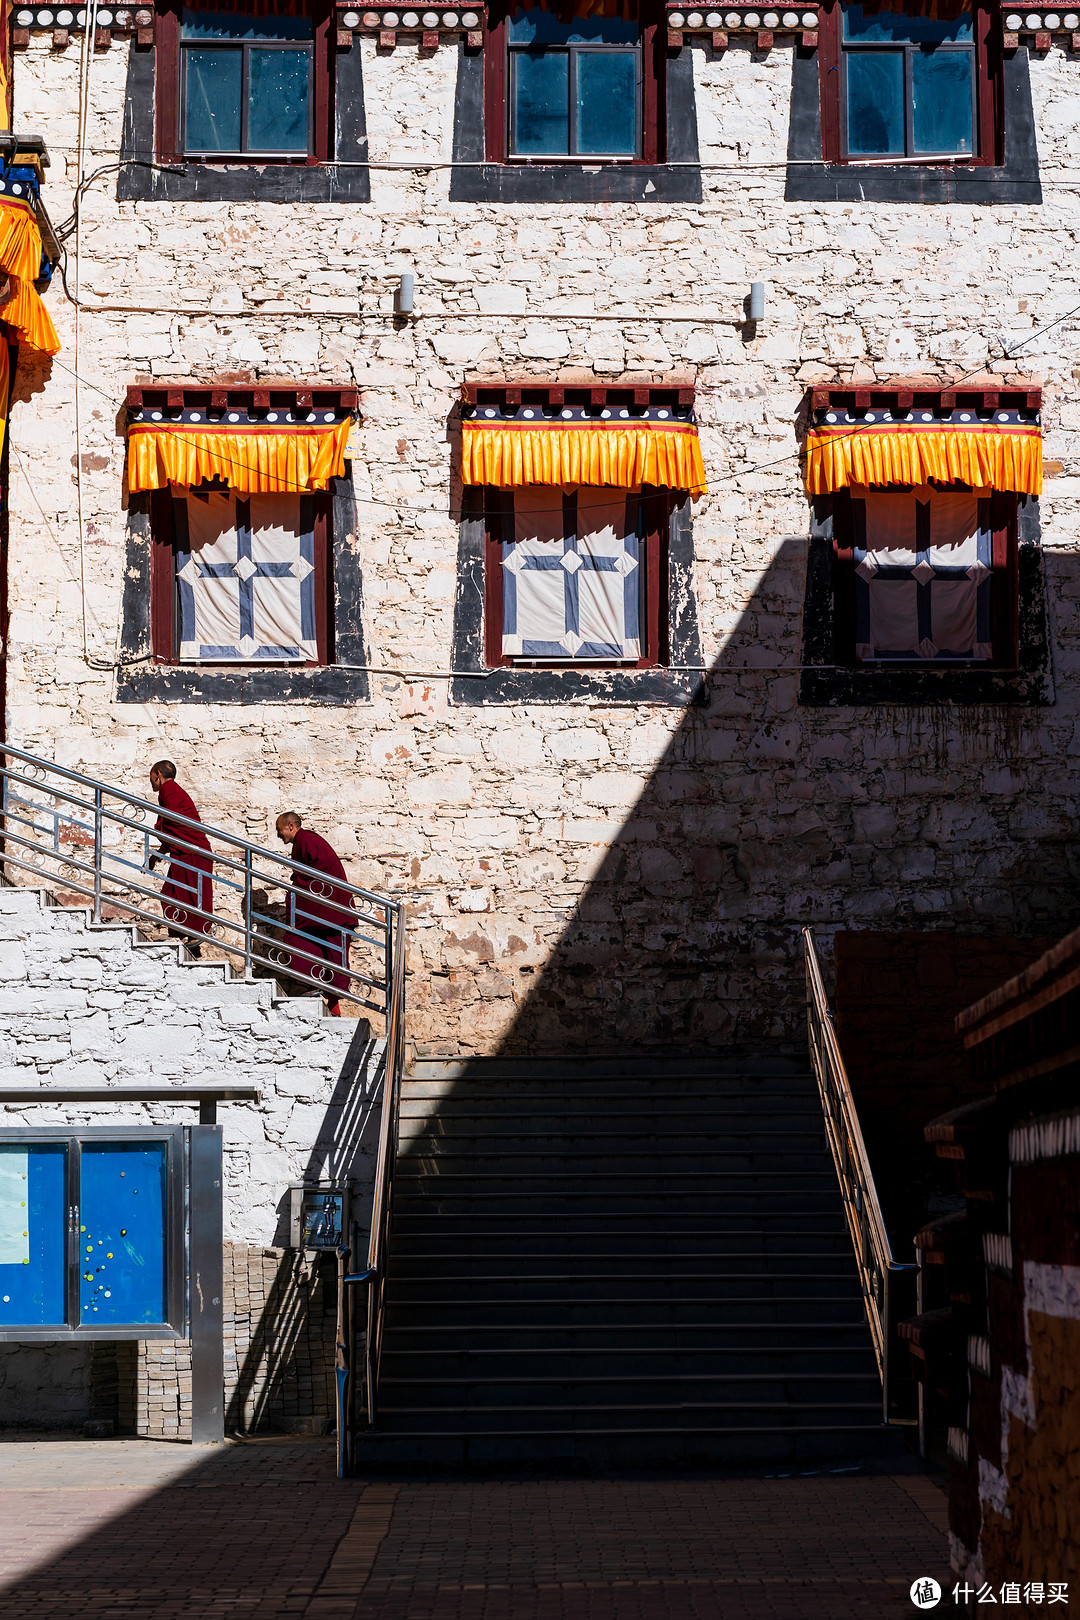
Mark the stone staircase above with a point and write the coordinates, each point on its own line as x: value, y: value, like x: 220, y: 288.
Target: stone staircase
x: 619, y: 1264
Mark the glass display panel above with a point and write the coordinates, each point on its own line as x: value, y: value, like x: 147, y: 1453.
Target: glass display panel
x: 278, y: 101
x: 541, y: 112
x: 33, y: 1206
x: 197, y: 24
x: 875, y: 101
x: 212, y: 92
x: 122, y: 1233
x: 607, y: 102
x: 545, y: 28
x: 941, y: 93
x: 321, y: 1220
x: 896, y: 27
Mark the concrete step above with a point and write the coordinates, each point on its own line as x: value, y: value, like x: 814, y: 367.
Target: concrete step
x: 418, y: 1142
x: 577, y: 1066
x: 825, y: 1352
x: 421, y: 1223
x: 569, y: 1287
x: 416, y: 1270
x: 718, y: 1312
x: 441, y: 1196
x: 431, y: 1247
x: 583, y: 1451
x: 731, y: 1332
x: 604, y: 1393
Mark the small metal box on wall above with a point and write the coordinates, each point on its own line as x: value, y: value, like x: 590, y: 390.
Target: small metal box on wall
x: 318, y: 1215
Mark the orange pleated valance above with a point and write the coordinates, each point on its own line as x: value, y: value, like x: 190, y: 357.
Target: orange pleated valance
x: 20, y: 239
x: 621, y: 453
x: 1001, y: 454
x: 26, y: 314
x: 252, y: 457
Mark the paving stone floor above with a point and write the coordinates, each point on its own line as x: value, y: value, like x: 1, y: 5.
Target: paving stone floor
x: 133, y: 1529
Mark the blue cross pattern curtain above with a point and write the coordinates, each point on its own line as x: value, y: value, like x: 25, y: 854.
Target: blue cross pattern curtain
x: 245, y: 574
x: 922, y: 573
x: 572, y: 575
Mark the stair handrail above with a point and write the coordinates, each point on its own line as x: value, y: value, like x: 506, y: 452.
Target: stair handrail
x: 878, y: 1268
x: 381, y: 1205
x: 47, y: 806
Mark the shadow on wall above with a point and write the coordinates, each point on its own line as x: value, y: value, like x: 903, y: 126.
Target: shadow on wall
x: 284, y: 1304
x: 764, y: 816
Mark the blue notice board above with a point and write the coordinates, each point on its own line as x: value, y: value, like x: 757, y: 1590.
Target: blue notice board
x: 122, y: 1233
x: 33, y: 1205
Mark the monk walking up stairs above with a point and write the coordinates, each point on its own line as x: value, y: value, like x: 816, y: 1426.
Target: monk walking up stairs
x: 188, y: 890
x: 320, y: 911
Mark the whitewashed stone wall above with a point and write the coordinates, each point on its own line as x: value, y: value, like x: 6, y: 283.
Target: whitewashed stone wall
x: 752, y: 816
x: 80, y: 1005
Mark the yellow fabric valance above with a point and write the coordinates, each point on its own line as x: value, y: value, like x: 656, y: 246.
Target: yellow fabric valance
x: 625, y: 455
x: 253, y: 459
x: 994, y: 455
x: 26, y: 314
x: 20, y: 239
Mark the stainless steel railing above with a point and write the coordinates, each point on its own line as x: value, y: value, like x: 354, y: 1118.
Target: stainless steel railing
x: 881, y: 1276
x: 92, y: 844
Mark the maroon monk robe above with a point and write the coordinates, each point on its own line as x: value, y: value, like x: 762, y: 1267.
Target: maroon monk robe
x: 323, y: 909
x: 188, y: 883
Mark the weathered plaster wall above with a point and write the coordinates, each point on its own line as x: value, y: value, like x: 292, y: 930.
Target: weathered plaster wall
x: 82, y: 1006
x: 579, y: 873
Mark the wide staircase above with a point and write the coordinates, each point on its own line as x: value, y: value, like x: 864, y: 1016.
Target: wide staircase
x: 619, y: 1264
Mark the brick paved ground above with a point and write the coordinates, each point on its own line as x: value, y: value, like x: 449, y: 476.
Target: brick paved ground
x: 134, y: 1529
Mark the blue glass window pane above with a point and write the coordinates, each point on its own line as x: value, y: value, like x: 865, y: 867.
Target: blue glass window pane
x: 212, y: 100
x: 33, y: 1208
x: 895, y: 26
x: 122, y: 1233
x: 541, y: 111
x: 607, y: 101
x: 197, y: 24
x: 875, y: 101
x: 278, y: 105
x: 941, y: 92
x: 544, y: 28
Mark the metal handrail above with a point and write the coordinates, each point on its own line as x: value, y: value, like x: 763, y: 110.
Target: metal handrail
x: 93, y: 841
x: 878, y: 1270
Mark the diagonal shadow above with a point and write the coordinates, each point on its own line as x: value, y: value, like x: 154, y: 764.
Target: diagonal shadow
x: 756, y: 820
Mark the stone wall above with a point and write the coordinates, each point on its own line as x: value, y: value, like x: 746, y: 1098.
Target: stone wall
x: 585, y: 874
x: 84, y: 1006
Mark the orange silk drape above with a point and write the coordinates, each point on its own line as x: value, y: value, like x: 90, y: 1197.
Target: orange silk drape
x: 20, y: 240
x: 26, y: 314
x: 990, y: 457
x: 251, y: 460
x: 507, y: 456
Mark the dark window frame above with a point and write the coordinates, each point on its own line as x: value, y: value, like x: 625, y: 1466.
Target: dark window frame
x: 659, y: 506
x: 652, y: 98
x: 988, y: 125
x: 168, y: 79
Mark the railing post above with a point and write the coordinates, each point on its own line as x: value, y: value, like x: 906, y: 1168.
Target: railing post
x: 97, y: 853
x: 247, y: 912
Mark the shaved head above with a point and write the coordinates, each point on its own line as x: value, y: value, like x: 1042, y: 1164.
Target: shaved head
x: 288, y: 825
x: 165, y: 768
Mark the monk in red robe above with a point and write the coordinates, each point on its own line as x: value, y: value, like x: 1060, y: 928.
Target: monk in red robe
x: 188, y: 887
x: 321, y: 911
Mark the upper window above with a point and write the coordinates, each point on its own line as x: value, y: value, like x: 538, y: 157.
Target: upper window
x: 923, y: 574
x: 245, y: 83
x: 566, y: 89
x: 909, y: 83
x: 575, y: 87
x: 245, y: 80
x: 246, y: 579
x: 911, y: 79
x: 576, y: 576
